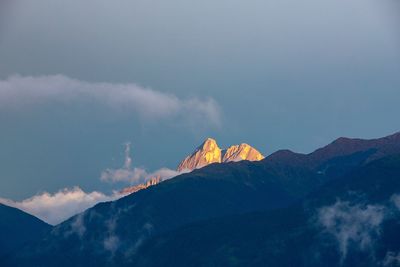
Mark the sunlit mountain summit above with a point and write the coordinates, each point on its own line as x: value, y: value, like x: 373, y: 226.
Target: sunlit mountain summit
x: 209, y: 152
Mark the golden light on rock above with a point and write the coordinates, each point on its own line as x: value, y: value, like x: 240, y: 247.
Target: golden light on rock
x: 209, y: 152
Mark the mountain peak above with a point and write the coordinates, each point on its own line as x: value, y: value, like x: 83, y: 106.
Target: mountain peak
x: 241, y: 152
x: 208, y: 144
x: 209, y: 152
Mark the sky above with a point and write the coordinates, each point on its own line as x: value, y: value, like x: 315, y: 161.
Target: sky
x: 81, y: 79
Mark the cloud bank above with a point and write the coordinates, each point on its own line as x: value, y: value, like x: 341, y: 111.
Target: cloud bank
x: 21, y: 92
x: 55, y: 208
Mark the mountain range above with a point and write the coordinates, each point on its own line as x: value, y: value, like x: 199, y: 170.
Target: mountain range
x: 337, y: 206
x: 205, y: 154
x: 350, y: 221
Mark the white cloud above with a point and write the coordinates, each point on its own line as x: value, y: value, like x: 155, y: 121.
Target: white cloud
x: 135, y: 176
x: 355, y: 224
x: 55, y: 208
x: 21, y: 92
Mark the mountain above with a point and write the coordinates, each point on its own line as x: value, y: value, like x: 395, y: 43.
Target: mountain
x: 117, y: 229
x: 18, y: 228
x: 209, y: 152
x: 330, y: 162
x: 206, y: 154
x: 257, y: 211
x: 341, y: 147
x: 351, y: 221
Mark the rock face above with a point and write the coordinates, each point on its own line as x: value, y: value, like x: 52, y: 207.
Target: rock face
x: 241, y: 152
x: 205, y: 154
x: 209, y: 152
x: 134, y: 189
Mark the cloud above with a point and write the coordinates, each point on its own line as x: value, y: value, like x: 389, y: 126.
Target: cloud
x: 391, y: 259
x: 112, y: 241
x: 78, y: 224
x: 128, y: 159
x: 352, y: 224
x: 21, y: 92
x: 135, y: 176
x: 55, y: 208
x: 396, y: 200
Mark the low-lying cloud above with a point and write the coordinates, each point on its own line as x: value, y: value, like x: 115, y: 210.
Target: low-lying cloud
x: 354, y: 224
x: 396, y: 200
x: 391, y: 259
x: 55, y: 208
x: 112, y: 241
x: 21, y: 92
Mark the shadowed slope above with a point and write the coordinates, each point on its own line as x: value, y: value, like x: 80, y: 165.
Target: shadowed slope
x: 18, y: 228
x: 358, y: 207
x: 115, y: 230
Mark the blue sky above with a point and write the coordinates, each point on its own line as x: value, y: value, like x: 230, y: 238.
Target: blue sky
x: 276, y: 74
